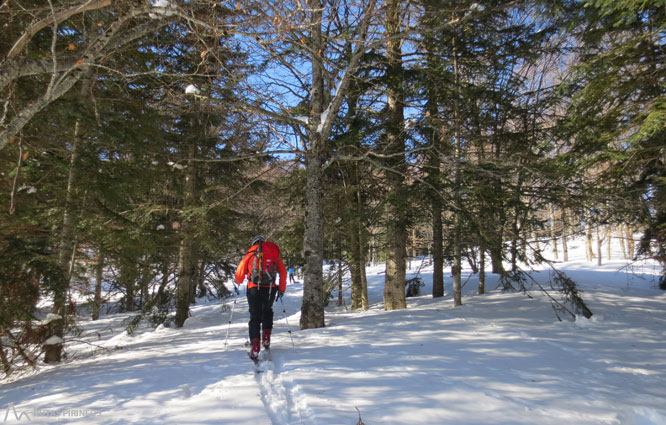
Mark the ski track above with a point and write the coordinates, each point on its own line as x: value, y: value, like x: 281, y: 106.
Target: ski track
x: 554, y: 373
x: 285, y: 403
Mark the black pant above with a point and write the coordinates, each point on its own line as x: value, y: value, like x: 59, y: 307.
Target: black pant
x: 260, y: 300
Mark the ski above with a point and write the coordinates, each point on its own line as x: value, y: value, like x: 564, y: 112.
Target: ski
x: 257, y: 363
x: 264, y: 356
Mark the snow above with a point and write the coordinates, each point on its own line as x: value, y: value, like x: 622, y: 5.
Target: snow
x: 54, y: 340
x: 50, y: 318
x: 161, y: 8
x: 28, y: 189
x: 324, y: 117
x: 501, y: 358
x: 477, y: 6
x: 176, y: 165
x: 192, y: 89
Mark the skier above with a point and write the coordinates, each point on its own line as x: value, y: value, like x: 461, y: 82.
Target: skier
x: 291, y: 275
x: 260, y: 266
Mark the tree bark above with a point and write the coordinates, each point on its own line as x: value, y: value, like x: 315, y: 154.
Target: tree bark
x: 599, y: 241
x: 456, y: 269
x: 53, y: 352
x: 355, y: 267
x: 322, y: 115
x: 629, y: 240
x: 396, y: 226
x: 364, y: 278
x: 565, y: 245
x: 187, y: 260
x: 553, y: 232
x: 588, y: 237
x: 434, y: 173
x: 99, y: 275
x: 312, y: 310
x: 437, y: 251
x: 482, y: 269
x: 339, y: 272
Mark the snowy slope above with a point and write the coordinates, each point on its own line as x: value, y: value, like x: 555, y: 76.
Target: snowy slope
x: 498, y: 359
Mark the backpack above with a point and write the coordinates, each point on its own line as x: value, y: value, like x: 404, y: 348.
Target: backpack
x: 263, y: 271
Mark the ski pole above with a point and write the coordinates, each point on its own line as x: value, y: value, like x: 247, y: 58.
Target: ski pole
x: 287, y: 321
x: 231, y: 317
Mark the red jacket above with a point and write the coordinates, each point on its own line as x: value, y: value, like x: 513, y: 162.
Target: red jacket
x: 271, y: 256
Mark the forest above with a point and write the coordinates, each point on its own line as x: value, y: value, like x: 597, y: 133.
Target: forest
x: 144, y: 143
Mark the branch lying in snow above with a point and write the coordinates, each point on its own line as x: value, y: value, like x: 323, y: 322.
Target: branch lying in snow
x: 568, y: 289
x: 100, y: 347
x: 360, y: 421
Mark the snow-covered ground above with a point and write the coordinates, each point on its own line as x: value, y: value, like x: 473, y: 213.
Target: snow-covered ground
x: 498, y: 359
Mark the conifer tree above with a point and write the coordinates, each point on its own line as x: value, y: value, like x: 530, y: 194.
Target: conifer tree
x: 616, y: 117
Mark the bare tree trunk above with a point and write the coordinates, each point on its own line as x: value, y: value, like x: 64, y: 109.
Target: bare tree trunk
x: 482, y: 269
x: 565, y: 246
x: 394, y: 286
x: 609, y: 238
x: 553, y: 231
x: 413, y: 246
x: 6, y: 366
x: 588, y: 236
x: 322, y: 114
x: 364, y: 278
x: 456, y: 270
x: 434, y: 163
x: 339, y: 273
x: 599, y: 240
x: 515, y: 230
x: 197, y: 281
x: 99, y: 275
x: 359, y: 248
x: 128, y: 278
x: 53, y: 352
x: 437, y: 251
x: 355, y: 268
x: 396, y: 228
x: 629, y: 237
x: 312, y: 309
x: 187, y: 261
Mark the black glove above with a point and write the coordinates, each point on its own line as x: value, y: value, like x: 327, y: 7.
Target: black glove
x: 280, y: 294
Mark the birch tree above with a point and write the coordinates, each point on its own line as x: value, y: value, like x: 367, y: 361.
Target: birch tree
x: 304, y: 79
